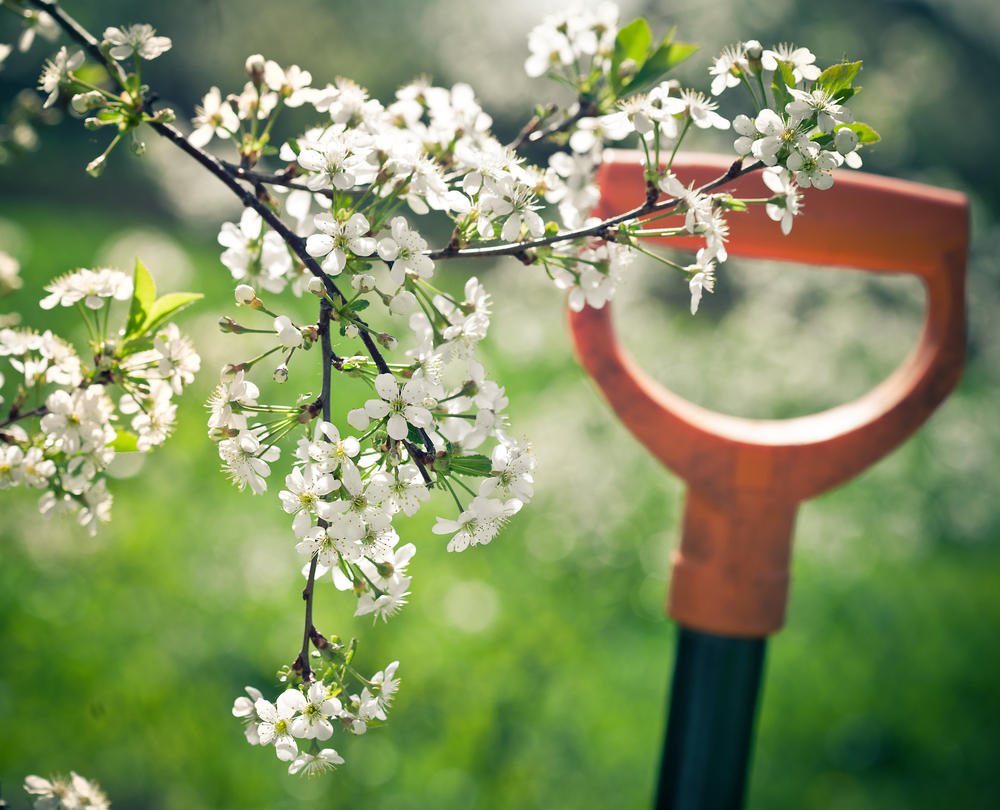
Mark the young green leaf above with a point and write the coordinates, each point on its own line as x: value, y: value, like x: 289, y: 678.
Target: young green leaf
x: 845, y: 93
x: 782, y: 80
x: 632, y: 43
x: 166, y: 306
x: 473, y: 464
x: 836, y: 78
x: 665, y: 58
x: 142, y: 299
x: 864, y: 132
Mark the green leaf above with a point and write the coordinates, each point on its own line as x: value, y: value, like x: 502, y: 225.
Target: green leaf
x: 135, y: 345
x: 836, y: 78
x: 864, y: 132
x: 473, y: 464
x: 632, y: 42
x: 664, y: 59
x: 166, y: 306
x: 783, y: 79
x: 730, y: 203
x: 142, y: 299
x: 125, y: 442
x: 845, y: 93
x: 359, y: 304
x: 413, y: 435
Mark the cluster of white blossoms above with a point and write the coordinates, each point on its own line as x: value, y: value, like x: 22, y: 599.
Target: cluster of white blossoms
x: 65, y: 793
x: 309, y: 713
x: 333, y: 214
x: 62, y: 443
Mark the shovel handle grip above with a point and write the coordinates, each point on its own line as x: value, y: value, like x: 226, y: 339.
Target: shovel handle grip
x: 746, y: 477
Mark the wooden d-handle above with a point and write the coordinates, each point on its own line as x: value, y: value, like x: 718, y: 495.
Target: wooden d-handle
x: 746, y: 477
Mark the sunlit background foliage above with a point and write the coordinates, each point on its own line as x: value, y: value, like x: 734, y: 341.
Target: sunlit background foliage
x: 535, y: 670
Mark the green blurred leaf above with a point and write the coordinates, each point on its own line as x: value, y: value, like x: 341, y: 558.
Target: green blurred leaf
x: 473, y: 464
x: 836, y: 78
x: 143, y: 298
x: 845, y: 93
x: 782, y: 80
x: 125, y: 442
x: 865, y: 133
x: 632, y: 42
x: 664, y: 59
x: 166, y: 306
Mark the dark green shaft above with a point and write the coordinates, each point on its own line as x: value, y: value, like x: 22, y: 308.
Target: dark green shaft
x: 713, y: 702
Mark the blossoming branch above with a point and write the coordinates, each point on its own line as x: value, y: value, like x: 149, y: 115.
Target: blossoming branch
x: 332, y: 213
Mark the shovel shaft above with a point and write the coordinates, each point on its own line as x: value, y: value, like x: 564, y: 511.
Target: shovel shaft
x: 713, y: 702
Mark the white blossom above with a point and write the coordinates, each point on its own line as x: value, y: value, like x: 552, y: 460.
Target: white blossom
x: 315, y: 764
x: 403, y: 251
x: 89, y: 287
x: 800, y: 60
x: 728, y: 67
x: 384, y: 685
x: 178, y: 360
x: 478, y: 524
x: 274, y: 727
x: 337, y: 238
x: 244, y: 461
x: 56, y: 71
x: 214, y: 117
x: 136, y: 39
x: 305, y: 490
x: 245, y: 708
x: 787, y: 202
x: 254, y: 254
x: 315, y: 707
x: 702, y: 277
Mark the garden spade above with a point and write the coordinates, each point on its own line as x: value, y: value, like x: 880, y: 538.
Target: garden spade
x: 745, y: 478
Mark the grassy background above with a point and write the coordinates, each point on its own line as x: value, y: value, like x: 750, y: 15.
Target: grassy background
x: 534, y: 670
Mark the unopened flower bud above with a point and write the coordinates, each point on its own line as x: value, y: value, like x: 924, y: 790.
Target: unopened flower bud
x: 846, y: 140
x: 229, y: 371
x: 387, y: 340
x: 363, y: 282
x: 627, y: 68
x: 754, y: 50
x: 288, y: 333
x: 96, y: 167
x: 255, y: 69
x: 402, y: 303
x: 227, y: 324
x: 351, y: 330
x: 245, y: 294
x: 316, y: 286
x: 87, y: 101
x: 281, y: 374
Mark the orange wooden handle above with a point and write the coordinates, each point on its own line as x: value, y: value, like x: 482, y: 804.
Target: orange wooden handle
x: 746, y: 476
